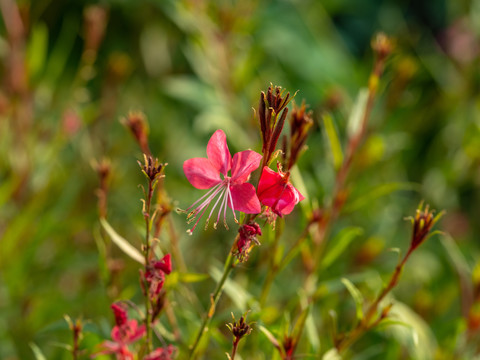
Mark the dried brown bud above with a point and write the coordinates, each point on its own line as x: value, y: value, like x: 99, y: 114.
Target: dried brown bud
x: 422, y: 225
x: 240, y: 328
x: 272, y: 105
x: 152, y: 168
x: 136, y: 122
x: 300, y: 123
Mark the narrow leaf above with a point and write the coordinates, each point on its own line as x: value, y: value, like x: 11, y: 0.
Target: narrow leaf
x: 335, y: 146
x: 332, y: 354
x: 312, y: 333
x: 340, y: 243
x: 356, y: 295
x: 193, y: 277
x: 270, y: 337
x: 37, y: 352
x: 123, y: 244
x: 358, y: 110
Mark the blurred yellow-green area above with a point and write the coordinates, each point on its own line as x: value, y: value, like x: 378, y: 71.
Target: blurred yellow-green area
x: 71, y: 70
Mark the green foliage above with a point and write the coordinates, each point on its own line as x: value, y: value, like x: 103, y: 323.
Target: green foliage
x: 75, y: 67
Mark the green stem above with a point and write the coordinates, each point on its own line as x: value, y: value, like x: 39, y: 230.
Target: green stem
x: 148, y: 336
x: 368, y: 322
x: 229, y: 265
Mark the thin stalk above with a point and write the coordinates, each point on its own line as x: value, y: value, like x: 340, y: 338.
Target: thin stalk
x: 146, y: 252
x: 369, y: 321
x: 234, y: 349
x: 229, y: 265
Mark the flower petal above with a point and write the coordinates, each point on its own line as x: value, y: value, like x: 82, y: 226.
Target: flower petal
x: 245, y: 199
x: 201, y: 173
x: 218, y: 153
x: 287, y: 201
x: 243, y: 164
x: 276, y: 193
x: 270, y: 186
x: 164, y: 265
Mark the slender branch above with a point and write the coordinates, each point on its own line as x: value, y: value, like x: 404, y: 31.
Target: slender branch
x: 146, y: 251
x: 230, y: 263
x: 369, y: 321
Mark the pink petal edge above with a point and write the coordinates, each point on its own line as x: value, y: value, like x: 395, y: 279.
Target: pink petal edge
x: 218, y: 153
x: 243, y: 164
x: 201, y: 173
x: 245, y: 199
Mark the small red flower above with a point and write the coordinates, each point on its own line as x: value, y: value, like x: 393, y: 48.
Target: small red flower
x: 212, y: 173
x: 247, y: 234
x: 124, y: 333
x: 155, y: 274
x: 161, y: 354
x: 276, y: 191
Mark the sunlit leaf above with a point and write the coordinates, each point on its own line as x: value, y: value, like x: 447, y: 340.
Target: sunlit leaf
x: 356, y: 115
x: 37, y: 49
x: 332, y: 354
x: 356, y: 295
x: 334, y: 142
x: 270, y: 337
x: 37, y: 352
x: 417, y: 337
x: 193, y: 277
x: 123, y: 244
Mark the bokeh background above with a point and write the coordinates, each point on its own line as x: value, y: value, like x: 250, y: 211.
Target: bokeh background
x: 70, y: 70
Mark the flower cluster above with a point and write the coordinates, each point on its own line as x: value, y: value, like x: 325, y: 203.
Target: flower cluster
x: 154, y: 279
x: 212, y: 173
x: 231, y: 190
x: 247, y: 234
x: 124, y: 334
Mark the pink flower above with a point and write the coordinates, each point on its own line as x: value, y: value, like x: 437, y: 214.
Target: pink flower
x: 212, y: 173
x: 161, y: 354
x: 124, y: 333
x: 156, y: 272
x: 247, y: 234
x: 276, y: 192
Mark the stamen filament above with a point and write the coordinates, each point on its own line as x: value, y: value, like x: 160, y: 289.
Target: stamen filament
x: 213, y: 208
x: 204, y: 196
x: 231, y: 204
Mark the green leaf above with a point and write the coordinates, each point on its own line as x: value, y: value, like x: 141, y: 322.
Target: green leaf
x: 412, y: 332
x: 335, y: 146
x: 312, y: 333
x: 37, y: 49
x: 377, y: 192
x: 123, y: 244
x: 193, y: 277
x: 356, y: 116
x: 340, y: 243
x: 271, y: 337
x: 356, y: 295
x: 332, y: 354
x: 37, y: 352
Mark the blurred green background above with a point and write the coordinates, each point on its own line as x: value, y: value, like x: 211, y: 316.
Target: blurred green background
x: 71, y: 69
